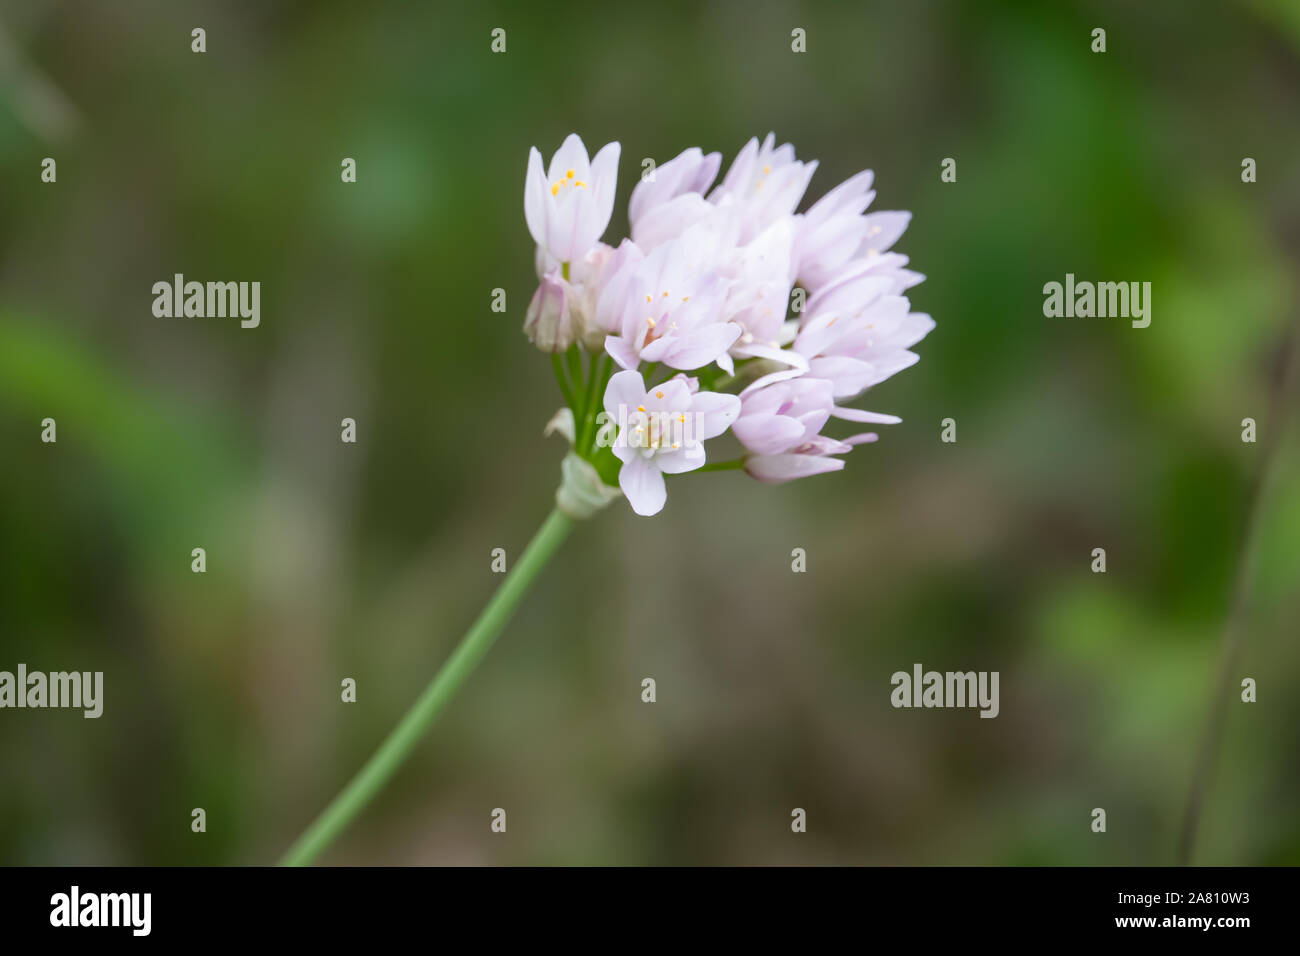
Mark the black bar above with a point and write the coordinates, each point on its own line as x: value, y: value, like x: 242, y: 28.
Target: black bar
x: 450, y: 908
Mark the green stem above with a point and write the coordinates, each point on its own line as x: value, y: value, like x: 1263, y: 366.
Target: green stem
x: 573, y: 358
x: 731, y: 465
x: 557, y: 363
x: 397, y: 747
x: 597, y: 370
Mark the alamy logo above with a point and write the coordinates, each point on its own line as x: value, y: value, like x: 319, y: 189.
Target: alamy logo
x: 76, y: 689
x: 650, y: 430
x: 213, y: 300
x: 102, y: 909
x: 1125, y: 300
x: 953, y: 689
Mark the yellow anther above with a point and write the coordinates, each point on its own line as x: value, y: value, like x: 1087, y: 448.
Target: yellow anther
x: 659, y: 394
x: 640, y: 408
x: 555, y: 190
x: 649, y: 320
x: 766, y: 170
x: 569, y: 174
x: 579, y: 182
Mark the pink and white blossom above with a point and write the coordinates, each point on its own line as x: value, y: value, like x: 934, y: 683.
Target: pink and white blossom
x: 664, y: 206
x: 567, y: 206
x: 780, y: 425
x: 668, y: 308
x: 666, y: 427
x: 763, y: 184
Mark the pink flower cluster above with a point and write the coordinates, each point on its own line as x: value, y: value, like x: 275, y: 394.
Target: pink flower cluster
x: 704, y: 285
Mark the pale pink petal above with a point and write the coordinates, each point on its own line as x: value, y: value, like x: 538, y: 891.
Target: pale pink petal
x: 693, y: 350
x: 861, y: 415
x: 572, y: 154
x: 604, y: 180
x: 643, y: 484
x: 669, y: 220
x: 535, y: 191
x: 622, y: 352
x: 681, y: 460
x: 626, y: 389
x: 767, y: 434
x: 718, y: 411
x: 774, y: 469
x: 884, y: 229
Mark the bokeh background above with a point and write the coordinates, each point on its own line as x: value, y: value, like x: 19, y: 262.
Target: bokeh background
x: 328, y: 560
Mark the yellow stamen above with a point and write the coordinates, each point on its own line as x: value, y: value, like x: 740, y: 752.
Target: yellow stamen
x: 569, y: 174
x: 659, y: 394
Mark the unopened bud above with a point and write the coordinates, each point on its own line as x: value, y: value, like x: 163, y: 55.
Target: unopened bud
x: 550, y: 323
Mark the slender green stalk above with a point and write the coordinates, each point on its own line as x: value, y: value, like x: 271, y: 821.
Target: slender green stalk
x: 599, y: 368
x: 731, y: 465
x: 557, y: 363
x: 573, y: 357
x: 1281, y: 404
x: 397, y: 747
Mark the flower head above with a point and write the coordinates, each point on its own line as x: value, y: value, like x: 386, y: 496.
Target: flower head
x: 703, y: 285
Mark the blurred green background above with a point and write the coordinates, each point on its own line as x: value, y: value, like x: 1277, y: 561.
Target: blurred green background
x: 328, y: 560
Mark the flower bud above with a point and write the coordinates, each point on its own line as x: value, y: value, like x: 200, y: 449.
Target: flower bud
x: 550, y: 323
